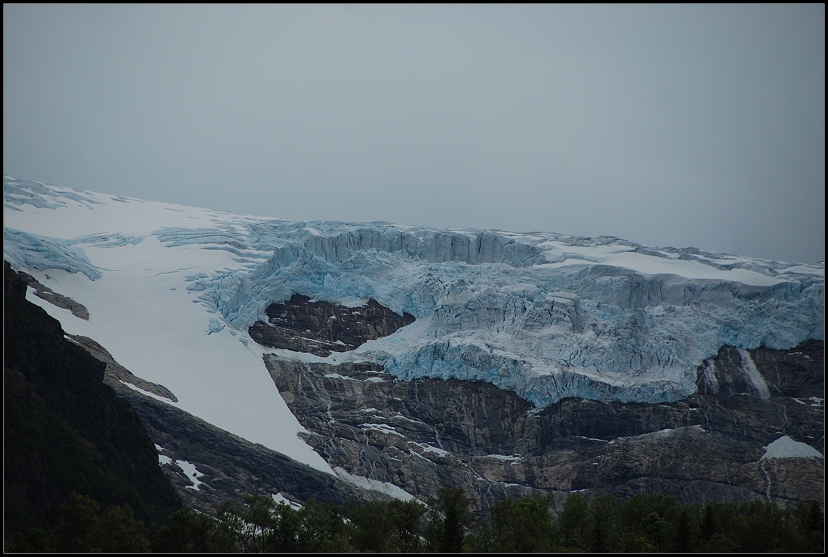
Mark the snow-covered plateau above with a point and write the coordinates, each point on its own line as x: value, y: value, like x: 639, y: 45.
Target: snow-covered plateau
x: 171, y: 292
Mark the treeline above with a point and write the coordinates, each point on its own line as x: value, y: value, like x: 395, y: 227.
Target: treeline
x: 643, y: 523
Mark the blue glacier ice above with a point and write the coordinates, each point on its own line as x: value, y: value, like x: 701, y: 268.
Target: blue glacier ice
x: 40, y: 252
x: 547, y: 315
x: 215, y: 326
x: 17, y: 193
x: 495, y: 310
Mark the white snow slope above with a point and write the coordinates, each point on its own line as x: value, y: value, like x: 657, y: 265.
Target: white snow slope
x: 171, y: 291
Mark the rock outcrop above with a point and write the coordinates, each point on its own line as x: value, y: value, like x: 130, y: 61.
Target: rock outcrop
x: 227, y: 467
x: 428, y: 433
x: 64, y: 430
x: 115, y: 373
x: 44, y: 292
x: 304, y: 325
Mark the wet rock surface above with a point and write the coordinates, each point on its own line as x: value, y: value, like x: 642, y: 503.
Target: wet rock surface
x: 426, y: 434
x: 227, y: 466
x: 304, y: 325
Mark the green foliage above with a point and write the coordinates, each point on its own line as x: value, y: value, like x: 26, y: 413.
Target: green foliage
x: 33, y: 540
x: 657, y: 523
x: 604, y: 515
x: 83, y: 529
x: 117, y: 531
x: 644, y: 523
x: 187, y: 531
x: 449, y: 516
x: 522, y: 526
x: 386, y: 527
x: 575, y: 522
x: 78, y: 520
x: 329, y: 533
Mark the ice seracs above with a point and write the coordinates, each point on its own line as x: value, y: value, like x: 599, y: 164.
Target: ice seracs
x: 546, y: 315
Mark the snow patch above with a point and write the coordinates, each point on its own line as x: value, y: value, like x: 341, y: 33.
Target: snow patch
x: 785, y: 447
x: 505, y: 458
x: 373, y: 485
x: 279, y: 498
x: 149, y: 394
x: 191, y: 472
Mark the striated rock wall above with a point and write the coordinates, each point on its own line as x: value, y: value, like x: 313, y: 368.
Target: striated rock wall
x: 429, y: 433
x: 227, y: 466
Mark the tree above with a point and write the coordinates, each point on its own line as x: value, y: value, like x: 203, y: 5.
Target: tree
x: 575, y: 522
x: 683, y: 537
x: 323, y: 529
x: 523, y: 526
x: 187, y: 531
x: 83, y: 530
x: 654, y: 528
x: 604, y: 513
x: 258, y: 523
x: 230, y: 527
x: 117, y: 531
x: 288, y: 535
x: 807, y: 524
x: 78, y: 518
x: 719, y: 525
x: 386, y: 526
x: 33, y: 540
x: 448, y: 518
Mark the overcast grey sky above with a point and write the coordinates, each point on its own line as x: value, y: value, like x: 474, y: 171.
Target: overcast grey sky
x: 688, y: 125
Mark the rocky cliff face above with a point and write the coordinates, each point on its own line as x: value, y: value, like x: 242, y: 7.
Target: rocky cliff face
x: 426, y: 434
x: 429, y: 433
x: 305, y: 325
x: 210, y: 466
x: 502, y: 318
x: 64, y: 430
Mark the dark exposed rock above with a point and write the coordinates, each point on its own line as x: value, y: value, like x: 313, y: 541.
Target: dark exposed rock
x: 429, y: 433
x: 305, y: 325
x: 797, y: 373
x: 64, y: 430
x: 232, y: 467
x: 115, y: 372
x: 44, y: 292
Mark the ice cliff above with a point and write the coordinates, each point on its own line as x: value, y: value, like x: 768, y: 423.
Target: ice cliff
x: 547, y: 315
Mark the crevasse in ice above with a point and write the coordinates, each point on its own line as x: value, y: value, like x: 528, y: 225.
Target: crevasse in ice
x: 546, y: 315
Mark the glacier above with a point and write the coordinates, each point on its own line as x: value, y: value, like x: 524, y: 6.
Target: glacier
x: 546, y: 315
